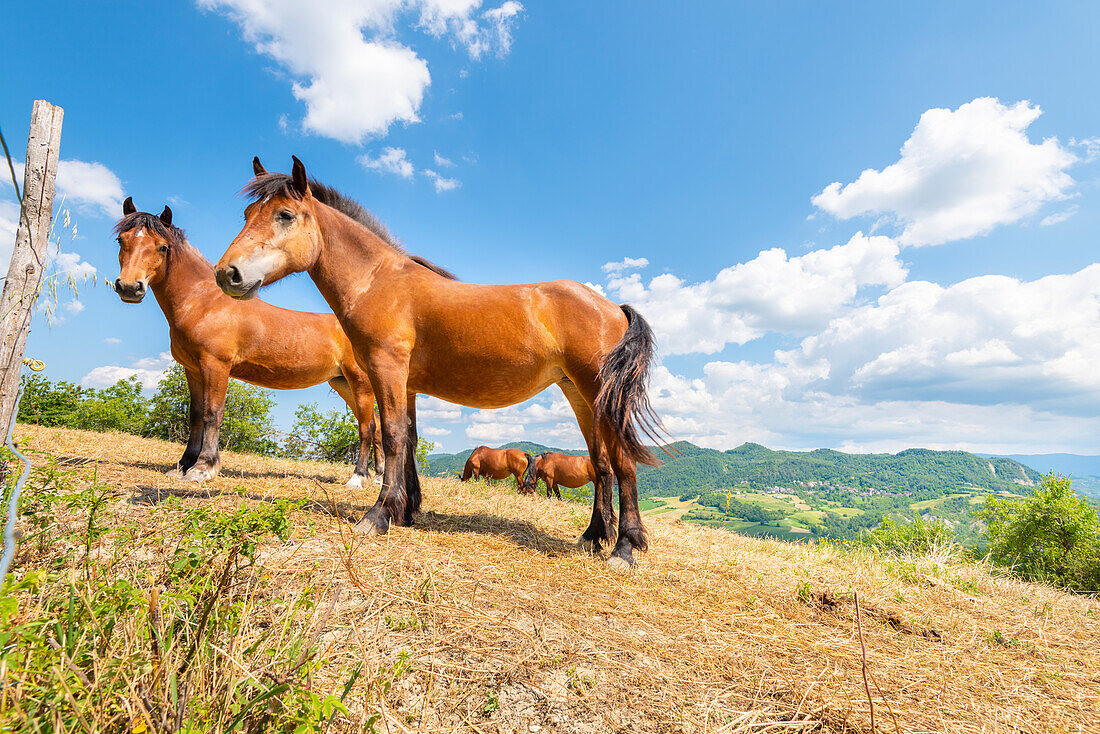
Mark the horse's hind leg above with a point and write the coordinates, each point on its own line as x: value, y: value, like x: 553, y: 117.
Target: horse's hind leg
x: 631, y: 529
x: 412, y: 479
x: 600, y: 527
x: 360, y: 398
x: 194, y: 438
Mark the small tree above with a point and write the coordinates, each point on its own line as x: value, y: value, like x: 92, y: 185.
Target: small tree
x: 1051, y: 536
x: 317, y: 436
x: 245, y: 427
x: 423, y: 448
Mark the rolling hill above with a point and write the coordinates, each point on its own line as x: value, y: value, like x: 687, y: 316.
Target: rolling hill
x: 919, y: 473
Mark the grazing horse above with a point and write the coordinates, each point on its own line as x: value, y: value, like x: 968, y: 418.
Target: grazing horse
x: 500, y: 464
x: 215, y: 337
x: 485, y: 346
x: 561, y: 469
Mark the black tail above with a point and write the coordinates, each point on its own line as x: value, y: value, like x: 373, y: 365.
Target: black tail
x: 622, y: 400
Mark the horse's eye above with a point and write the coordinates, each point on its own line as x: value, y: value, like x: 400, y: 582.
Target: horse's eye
x: 285, y: 216
x: 163, y: 248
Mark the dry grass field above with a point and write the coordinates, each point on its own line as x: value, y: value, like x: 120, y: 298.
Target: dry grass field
x: 484, y: 618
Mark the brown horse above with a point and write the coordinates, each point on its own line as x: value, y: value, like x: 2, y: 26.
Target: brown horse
x: 485, y: 346
x: 215, y: 337
x: 501, y: 464
x: 561, y: 469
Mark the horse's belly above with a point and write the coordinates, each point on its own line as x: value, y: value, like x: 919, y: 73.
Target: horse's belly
x: 282, y: 376
x: 483, y: 385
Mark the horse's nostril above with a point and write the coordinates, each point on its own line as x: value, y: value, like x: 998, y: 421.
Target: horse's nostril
x: 234, y: 275
x: 118, y: 285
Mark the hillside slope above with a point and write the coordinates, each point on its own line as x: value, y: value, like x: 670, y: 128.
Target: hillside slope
x: 489, y: 620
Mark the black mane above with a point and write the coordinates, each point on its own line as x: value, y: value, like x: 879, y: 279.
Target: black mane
x: 173, y: 235
x: 267, y: 185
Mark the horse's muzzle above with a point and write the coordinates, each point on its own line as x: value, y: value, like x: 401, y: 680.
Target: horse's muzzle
x: 233, y: 284
x: 130, y: 292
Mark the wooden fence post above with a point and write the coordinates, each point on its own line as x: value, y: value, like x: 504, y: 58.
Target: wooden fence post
x: 28, y: 259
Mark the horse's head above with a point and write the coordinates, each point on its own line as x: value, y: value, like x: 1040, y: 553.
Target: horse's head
x: 280, y: 234
x: 528, y: 483
x: 144, y: 241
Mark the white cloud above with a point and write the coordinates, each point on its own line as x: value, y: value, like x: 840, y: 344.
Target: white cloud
x: 149, y: 372
x: 495, y: 432
x: 772, y: 292
x: 74, y: 306
x: 443, y: 162
x: 440, y: 183
x: 70, y: 264
x: 627, y: 263
x: 1091, y: 147
x: 961, y: 173
x: 91, y: 187
x: 112, y: 340
x: 390, y: 160
x: 435, y: 431
x: 349, y: 68
x: 1059, y: 217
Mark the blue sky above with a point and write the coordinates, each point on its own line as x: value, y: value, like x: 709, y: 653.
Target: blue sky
x: 865, y: 226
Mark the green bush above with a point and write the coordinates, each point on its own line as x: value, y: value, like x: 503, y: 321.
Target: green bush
x: 916, y: 537
x: 1052, y: 536
x: 120, y: 407
x: 48, y: 403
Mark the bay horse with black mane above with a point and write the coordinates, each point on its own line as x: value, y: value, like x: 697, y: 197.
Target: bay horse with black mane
x: 215, y: 337
x: 501, y: 464
x: 556, y: 469
x: 415, y: 330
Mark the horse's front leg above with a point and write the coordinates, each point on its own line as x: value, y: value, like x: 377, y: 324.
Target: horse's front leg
x: 194, y: 423
x: 392, y: 504
x: 215, y: 384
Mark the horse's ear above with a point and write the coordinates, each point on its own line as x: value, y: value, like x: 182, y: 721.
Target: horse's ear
x: 166, y: 216
x: 128, y: 207
x: 298, y: 177
x: 257, y: 167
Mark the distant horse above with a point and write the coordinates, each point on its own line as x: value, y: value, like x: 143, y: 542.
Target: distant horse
x: 415, y: 330
x: 500, y: 464
x: 215, y: 337
x: 560, y: 469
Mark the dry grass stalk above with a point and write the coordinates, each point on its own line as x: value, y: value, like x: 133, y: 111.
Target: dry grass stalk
x: 484, y: 618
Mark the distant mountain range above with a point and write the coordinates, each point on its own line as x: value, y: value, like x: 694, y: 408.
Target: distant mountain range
x: 1065, y: 464
x: 701, y: 470
x: 1084, y: 470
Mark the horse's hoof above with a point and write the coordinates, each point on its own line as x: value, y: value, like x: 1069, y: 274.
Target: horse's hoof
x: 584, y: 545
x: 199, y: 475
x: 619, y: 565
x: 369, y: 528
x: 356, y: 482
x: 174, y: 473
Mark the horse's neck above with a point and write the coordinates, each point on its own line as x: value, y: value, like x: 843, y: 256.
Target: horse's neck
x: 189, y: 278
x: 351, y: 260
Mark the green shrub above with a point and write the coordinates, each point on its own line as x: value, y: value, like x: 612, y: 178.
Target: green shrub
x: 916, y: 537
x: 1052, y: 536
